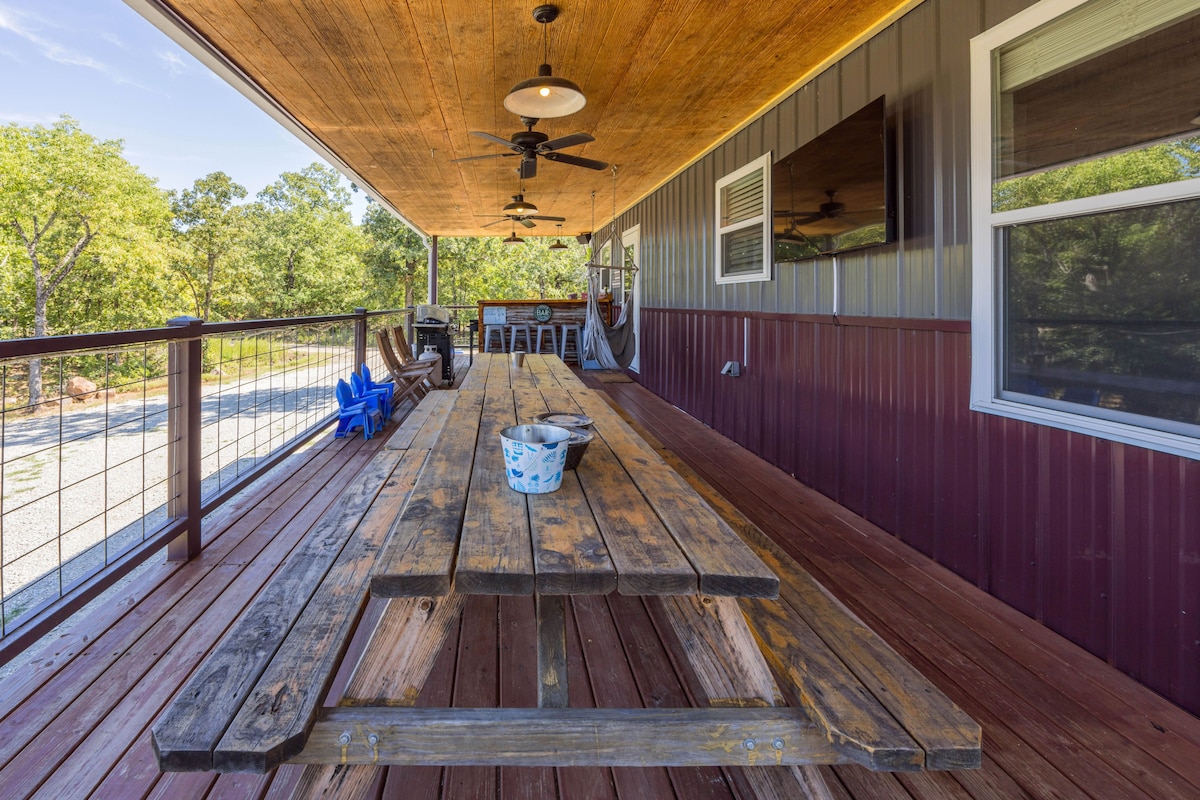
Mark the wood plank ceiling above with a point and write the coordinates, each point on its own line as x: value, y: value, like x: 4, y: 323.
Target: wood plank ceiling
x: 392, y: 87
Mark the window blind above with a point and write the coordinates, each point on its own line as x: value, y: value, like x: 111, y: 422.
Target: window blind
x: 1085, y: 32
x: 742, y: 199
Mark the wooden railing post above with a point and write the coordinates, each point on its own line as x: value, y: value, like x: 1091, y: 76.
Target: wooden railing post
x: 360, y: 338
x: 183, y: 437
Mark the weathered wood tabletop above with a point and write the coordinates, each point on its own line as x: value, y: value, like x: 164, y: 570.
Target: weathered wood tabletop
x: 623, y: 520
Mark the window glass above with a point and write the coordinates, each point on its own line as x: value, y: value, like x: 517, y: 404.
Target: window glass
x: 742, y: 251
x: 1104, y: 310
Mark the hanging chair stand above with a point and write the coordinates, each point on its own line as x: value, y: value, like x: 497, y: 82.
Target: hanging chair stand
x: 608, y: 346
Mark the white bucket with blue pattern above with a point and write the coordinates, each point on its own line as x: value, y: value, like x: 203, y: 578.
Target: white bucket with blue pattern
x: 534, y: 456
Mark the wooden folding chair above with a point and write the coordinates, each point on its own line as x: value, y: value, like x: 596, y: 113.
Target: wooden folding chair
x: 415, y: 378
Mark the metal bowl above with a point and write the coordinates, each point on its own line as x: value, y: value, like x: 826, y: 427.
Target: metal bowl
x: 577, y: 445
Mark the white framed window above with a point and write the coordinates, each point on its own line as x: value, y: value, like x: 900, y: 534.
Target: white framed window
x: 743, y: 230
x: 1085, y: 163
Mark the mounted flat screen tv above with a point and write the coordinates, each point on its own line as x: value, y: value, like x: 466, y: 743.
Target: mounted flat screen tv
x: 834, y: 193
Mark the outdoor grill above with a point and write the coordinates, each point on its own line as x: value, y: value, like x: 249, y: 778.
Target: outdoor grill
x: 432, y: 327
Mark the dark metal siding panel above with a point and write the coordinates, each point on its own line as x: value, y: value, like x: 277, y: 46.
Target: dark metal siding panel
x: 957, y: 23
x: 883, y: 427
x: 914, y: 148
x: 882, y: 266
x: 1185, y: 686
x: 827, y: 408
x: 852, y: 394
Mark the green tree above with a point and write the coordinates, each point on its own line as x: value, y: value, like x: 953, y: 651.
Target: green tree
x: 307, y: 252
x: 396, y: 259
x: 1114, y: 293
x: 72, y: 207
x: 211, y: 228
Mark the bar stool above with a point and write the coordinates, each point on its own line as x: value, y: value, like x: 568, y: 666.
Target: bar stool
x: 523, y: 330
x: 541, y: 331
x: 573, y: 349
x: 488, y: 330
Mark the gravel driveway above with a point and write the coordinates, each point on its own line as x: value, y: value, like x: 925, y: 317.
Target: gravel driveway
x: 98, y: 472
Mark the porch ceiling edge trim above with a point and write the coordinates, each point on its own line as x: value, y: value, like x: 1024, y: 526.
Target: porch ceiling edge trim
x: 166, y: 20
x: 883, y: 22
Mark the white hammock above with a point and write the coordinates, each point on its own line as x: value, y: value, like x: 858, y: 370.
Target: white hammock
x: 611, y: 346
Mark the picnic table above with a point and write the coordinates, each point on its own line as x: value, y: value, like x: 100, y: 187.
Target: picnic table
x: 443, y: 524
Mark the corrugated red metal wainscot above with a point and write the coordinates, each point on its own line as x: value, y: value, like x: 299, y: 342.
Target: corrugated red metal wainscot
x: 1098, y: 540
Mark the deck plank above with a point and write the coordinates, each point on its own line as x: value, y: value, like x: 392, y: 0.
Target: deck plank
x: 614, y: 686
x: 518, y: 689
x: 65, y: 753
x: 659, y: 687
x: 476, y: 685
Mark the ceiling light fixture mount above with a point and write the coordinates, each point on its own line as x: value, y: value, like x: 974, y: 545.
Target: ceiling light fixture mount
x: 546, y: 95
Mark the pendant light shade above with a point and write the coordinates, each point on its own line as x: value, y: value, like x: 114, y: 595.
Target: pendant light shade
x: 514, y: 239
x: 519, y: 207
x: 546, y: 95
x: 558, y: 245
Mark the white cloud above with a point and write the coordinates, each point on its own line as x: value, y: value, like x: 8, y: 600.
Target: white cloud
x: 27, y: 27
x: 174, y: 64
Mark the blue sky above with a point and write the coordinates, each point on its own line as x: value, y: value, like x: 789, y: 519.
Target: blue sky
x: 103, y: 64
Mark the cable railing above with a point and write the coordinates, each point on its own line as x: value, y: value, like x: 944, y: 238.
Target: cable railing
x: 135, y: 436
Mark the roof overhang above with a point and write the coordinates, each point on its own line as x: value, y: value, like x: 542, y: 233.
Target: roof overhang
x: 388, y: 91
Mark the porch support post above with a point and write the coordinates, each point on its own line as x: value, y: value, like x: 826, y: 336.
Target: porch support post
x: 360, y: 339
x: 183, y: 437
x: 433, y: 271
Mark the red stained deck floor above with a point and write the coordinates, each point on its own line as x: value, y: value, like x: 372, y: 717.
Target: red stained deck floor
x: 1057, y: 722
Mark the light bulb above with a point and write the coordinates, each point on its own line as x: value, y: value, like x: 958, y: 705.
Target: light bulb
x: 544, y: 91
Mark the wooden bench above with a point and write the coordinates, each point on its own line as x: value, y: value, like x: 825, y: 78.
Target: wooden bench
x: 856, y: 687
x: 300, y: 624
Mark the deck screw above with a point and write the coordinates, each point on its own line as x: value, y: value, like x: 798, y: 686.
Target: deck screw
x: 372, y: 739
x: 749, y: 744
x: 344, y: 739
x: 777, y: 744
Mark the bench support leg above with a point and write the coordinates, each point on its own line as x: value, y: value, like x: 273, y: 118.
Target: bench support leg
x: 733, y: 671
x: 552, y: 651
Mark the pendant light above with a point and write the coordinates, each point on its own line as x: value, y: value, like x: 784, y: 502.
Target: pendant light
x: 514, y: 239
x: 546, y: 95
x: 558, y: 245
x: 519, y: 207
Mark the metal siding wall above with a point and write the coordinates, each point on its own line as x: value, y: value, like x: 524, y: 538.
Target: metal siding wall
x: 1098, y: 540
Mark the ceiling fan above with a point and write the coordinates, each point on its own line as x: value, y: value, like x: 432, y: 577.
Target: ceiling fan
x: 830, y: 209
x: 522, y: 211
x: 529, y: 144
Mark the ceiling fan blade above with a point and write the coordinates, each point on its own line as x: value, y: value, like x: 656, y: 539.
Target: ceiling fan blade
x: 489, y: 155
x: 548, y: 219
x: 577, y: 161
x: 527, y: 222
x: 496, y: 139
x: 495, y: 222
x: 528, y: 168
x: 570, y: 140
